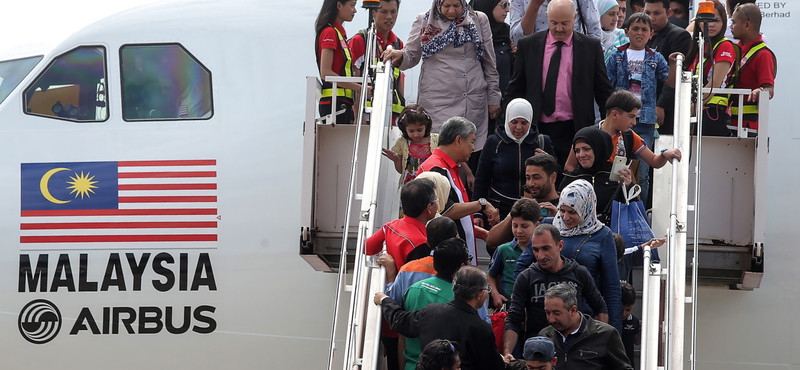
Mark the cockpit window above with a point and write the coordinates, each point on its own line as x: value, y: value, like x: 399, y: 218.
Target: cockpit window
x: 72, y: 87
x: 12, y: 72
x: 163, y: 82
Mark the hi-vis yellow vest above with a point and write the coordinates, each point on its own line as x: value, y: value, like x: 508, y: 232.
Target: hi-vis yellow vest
x: 327, y: 87
x: 398, y: 101
x: 750, y: 108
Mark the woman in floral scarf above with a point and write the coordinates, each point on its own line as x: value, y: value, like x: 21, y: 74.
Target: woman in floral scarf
x: 458, y: 76
x: 590, y: 243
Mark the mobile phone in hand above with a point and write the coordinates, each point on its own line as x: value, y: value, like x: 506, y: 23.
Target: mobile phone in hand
x: 620, y: 163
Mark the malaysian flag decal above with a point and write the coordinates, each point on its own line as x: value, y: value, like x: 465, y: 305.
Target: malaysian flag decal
x: 113, y: 205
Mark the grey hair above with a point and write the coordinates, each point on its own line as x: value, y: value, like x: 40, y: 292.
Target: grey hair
x: 455, y: 127
x: 565, y: 292
x: 571, y: 5
x: 469, y: 281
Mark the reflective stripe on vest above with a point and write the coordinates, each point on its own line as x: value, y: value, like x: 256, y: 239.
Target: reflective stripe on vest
x: 750, y: 108
x: 397, y: 100
x: 397, y: 106
x: 718, y: 100
x: 752, y: 52
x: 327, y: 90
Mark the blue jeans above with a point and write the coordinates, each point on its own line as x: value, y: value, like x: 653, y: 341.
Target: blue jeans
x: 647, y: 132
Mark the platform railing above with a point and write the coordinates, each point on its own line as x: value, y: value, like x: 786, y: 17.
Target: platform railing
x: 676, y: 328
x: 362, y: 342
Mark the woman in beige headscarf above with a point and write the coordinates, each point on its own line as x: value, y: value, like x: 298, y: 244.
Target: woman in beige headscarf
x: 443, y: 193
x: 442, y: 188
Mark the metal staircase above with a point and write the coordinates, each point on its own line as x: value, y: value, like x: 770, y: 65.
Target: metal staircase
x: 715, y: 223
x: 329, y: 241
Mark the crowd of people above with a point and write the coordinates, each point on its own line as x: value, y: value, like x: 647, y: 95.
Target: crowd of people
x: 512, y: 141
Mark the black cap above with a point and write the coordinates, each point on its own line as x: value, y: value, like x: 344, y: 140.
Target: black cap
x: 539, y: 349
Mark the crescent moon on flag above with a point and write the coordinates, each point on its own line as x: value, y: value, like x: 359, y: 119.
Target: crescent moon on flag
x: 43, y: 185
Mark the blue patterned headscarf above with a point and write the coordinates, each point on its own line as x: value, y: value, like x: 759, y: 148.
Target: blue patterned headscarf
x: 438, y: 31
x: 580, y: 196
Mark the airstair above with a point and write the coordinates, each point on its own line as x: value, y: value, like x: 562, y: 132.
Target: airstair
x: 345, y: 197
x: 710, y: 206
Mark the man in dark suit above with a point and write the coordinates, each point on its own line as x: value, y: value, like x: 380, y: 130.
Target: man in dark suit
x: 667, y: 39
x: 456, y: 321
x: 561, y: 73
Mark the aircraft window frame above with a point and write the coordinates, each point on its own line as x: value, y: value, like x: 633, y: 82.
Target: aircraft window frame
x: 47, y: 69
x: 38, y: 59
x: 178, y: 119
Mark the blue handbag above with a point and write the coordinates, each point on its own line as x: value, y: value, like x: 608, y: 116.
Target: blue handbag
x: 629, y: 220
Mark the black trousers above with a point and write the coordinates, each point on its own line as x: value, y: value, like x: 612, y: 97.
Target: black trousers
x: 348, y: 116
x: 561, y: 134
x: 472, y: 163
x: 392, y: 357
x: 716, y: 120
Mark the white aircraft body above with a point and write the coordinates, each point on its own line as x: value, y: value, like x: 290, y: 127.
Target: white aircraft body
x: 149, y: 233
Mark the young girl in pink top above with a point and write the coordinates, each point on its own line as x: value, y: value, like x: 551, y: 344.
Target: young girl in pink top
x: 417, y: 142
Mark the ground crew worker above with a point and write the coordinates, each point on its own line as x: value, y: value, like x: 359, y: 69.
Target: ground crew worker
x: 384, y: 18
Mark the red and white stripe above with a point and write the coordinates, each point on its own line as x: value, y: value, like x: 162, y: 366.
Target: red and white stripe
x: 170, y: 204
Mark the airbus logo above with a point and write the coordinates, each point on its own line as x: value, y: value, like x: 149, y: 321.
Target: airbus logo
x: 39, y: 321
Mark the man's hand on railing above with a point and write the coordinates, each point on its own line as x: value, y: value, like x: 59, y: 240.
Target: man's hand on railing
x: 756, y: 93
x: 378, y: 297
x: 387, y: 260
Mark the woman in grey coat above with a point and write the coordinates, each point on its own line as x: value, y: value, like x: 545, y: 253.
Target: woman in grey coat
x: 458, y: 76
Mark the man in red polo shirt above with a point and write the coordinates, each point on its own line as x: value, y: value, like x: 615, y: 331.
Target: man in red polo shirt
x: 758, y: 65
x: 456, y: 142
x: 418, y: 198
x: 419, y: 201
x: 385, y: 18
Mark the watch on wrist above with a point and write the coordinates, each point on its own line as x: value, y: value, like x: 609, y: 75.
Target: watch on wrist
x: 482, y: 202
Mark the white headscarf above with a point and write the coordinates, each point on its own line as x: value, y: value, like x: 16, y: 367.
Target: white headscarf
x: 518, y: 108
x: 580, y: 196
